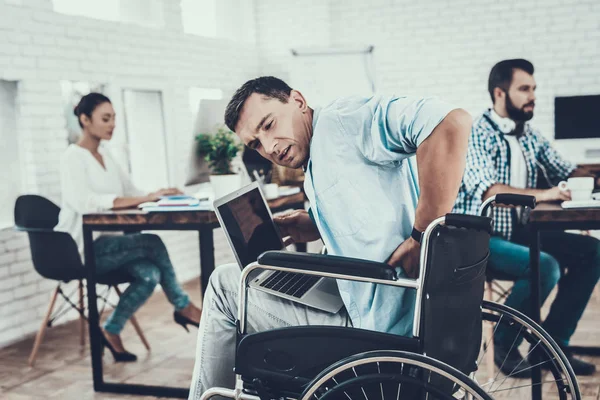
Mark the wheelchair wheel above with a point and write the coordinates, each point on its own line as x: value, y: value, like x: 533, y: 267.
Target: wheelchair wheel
x: 379, y: 375
x: 501, y: 378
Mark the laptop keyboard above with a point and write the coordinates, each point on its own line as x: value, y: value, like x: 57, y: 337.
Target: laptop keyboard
x: 290, y: 283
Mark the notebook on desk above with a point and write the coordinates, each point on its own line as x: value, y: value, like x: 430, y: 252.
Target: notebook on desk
x: 580, y: 204
x: 177, y: 203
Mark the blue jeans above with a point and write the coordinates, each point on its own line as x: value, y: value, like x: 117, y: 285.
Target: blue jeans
x: 145, y: 258
x: 572, y: 261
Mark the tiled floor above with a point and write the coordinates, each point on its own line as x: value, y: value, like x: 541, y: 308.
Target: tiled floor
x: 63, y: 368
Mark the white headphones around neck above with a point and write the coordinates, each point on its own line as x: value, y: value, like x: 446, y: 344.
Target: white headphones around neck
x: 506, y: 125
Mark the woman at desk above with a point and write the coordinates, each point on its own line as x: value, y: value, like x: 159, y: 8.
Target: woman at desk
x: 92, y: 181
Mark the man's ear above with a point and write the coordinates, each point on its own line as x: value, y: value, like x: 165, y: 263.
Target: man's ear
x: 298, y: 100
x: 498, y: 94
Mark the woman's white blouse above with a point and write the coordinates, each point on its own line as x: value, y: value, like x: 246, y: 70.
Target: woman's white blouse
x: 87, y: 187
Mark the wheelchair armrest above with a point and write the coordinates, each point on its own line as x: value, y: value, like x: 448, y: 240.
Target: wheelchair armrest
x: 328, y: 264
x: 510, y: 199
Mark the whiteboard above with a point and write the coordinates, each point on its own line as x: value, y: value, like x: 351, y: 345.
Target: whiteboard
x: 324, y: 75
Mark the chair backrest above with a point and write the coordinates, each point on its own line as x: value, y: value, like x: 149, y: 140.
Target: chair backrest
x: 35, y: 212
x: 453, y: 293
x: 54, y: 254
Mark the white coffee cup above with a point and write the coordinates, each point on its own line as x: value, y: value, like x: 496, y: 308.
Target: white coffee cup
x: 271, y: 190
x: 581, y: 188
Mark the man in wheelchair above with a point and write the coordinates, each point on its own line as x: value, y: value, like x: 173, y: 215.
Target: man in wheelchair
x: 394, y: 337
x: 363, y: 193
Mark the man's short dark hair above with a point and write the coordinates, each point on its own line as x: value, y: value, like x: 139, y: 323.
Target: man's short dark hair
x: 502, y: 74
x: 268, y: 86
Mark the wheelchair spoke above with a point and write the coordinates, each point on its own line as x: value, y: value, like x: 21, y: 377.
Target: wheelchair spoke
x: 380, y: 384
x: 509, y: 350
x: 362, y: 389
x: 400, y: 384
x: 487, y: 344
x: 336, y: 382
x: 522, y: 386
x: 515, y: 369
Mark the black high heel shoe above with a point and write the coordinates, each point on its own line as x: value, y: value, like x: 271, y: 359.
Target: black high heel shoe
x: 184, y: 321
x: 124, y: 356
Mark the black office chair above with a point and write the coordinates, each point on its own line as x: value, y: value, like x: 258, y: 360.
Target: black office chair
x: 55, y: 256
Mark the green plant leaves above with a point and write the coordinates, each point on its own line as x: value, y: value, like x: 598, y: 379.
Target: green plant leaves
x: 218, y: 149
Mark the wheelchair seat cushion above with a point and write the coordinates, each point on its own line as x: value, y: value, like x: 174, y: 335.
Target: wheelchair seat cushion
x: 286, y: 359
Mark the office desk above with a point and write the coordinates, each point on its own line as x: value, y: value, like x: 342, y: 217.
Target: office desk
x: 135, y: 220
x: 551, y: 216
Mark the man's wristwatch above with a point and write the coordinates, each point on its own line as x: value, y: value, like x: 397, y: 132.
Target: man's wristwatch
x: 417, y: 235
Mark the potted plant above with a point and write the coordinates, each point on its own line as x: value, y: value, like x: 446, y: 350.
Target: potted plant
x: 219, y: 149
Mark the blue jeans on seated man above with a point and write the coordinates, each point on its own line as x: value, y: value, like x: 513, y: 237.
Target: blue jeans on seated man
x: 570, y: 260
x: 144, y: 257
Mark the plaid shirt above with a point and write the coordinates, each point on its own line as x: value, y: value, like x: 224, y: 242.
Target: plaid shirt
x: 488, y: 163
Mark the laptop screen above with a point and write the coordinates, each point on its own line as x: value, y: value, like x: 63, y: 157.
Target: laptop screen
x: 250, y: 227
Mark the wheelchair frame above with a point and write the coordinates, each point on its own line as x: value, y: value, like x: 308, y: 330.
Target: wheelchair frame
x: 417, y: 284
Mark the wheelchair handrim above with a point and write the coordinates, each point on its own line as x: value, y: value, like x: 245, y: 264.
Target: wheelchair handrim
x: 542, y: 335
x: 413, y: 359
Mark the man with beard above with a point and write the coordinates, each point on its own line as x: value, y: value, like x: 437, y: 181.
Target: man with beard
x: 504, y: 155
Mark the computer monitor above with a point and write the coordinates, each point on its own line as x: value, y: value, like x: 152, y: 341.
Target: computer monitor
x: 575, y: 117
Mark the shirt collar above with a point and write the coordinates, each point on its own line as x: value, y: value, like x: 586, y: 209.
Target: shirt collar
x: 315, y: 117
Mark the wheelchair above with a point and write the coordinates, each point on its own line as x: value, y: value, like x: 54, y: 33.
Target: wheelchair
x: 441, y: 360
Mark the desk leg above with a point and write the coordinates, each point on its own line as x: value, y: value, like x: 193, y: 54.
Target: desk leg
x: 207, y: 256
x: 93, y: 318
x: 534, y: 264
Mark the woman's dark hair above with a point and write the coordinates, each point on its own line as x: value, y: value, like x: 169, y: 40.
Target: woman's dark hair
x: 88, y: 104
x: 502, y: 73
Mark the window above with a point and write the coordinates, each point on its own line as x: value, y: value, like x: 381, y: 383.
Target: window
x: 141, y: 12
x: 10, y: 187
x: 72, y: 92
x: 146, y: 139
x: 226, y: 19
x: 107, y: 10
x: 199, y: 17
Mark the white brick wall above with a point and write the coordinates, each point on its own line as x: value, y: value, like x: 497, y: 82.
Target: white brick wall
x: 447, y: 48
x: 438, y: 47
x: 39, y: 48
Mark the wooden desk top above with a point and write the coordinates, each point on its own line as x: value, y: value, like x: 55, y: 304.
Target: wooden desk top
x: 553, y: 212
x: 135, y: 217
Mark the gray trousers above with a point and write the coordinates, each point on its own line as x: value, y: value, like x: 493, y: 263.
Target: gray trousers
x: 215, y: 349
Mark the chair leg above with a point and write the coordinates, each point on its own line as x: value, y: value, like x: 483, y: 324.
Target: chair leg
x: 40, y: 335
x: 135, y: 324
x: 81, y: 316
x: 489, y: 333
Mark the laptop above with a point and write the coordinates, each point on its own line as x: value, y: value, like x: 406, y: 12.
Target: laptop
x: 249, y: 227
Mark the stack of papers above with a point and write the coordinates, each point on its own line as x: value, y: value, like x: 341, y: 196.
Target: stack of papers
x: 177, y: 203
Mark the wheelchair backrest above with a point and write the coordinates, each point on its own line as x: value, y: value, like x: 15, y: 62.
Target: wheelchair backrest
x: 452, y: 295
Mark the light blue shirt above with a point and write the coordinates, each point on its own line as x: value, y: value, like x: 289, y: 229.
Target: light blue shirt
x: 363, y: 192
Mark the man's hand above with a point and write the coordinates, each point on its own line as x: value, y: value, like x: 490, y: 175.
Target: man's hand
x: 298, y: 226
x: 407, y: 256
x: 164, y: 192
x: 554, y: 194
